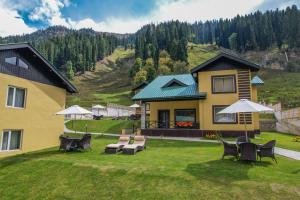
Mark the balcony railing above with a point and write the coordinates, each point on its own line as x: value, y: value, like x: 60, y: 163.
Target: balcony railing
x: 172, y: 125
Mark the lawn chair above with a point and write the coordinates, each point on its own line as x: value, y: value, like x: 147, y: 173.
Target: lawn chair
x: 114, y: 148
x: 230, y: 149
x: 139, y: 144
x: 267, y: 150
x: 65, y: 143
x: 248, y: 151
x: 85, y: 142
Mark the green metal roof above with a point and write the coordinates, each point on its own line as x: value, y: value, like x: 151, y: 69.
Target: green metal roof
x: 257, y: 81
x: 157, y: 90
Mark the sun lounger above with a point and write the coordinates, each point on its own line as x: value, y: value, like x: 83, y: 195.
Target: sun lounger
x: 139, y: 144
x: 114, y: 148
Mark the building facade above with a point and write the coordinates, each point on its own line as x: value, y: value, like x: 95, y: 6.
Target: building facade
x: 31, y: 92
x: 188, y: 104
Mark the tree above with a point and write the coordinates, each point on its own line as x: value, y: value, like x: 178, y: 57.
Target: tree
x: 149, y: 67
x: 163, y: 70
x: 233, y: 41
x: 136, y: 67
x: 140, y: 77
x: 180, y: 67
x: 70, y: 72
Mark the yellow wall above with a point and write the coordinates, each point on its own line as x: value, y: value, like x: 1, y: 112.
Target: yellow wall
x: 172, y: 105
x: 41, y: 127
x: 205, y: 106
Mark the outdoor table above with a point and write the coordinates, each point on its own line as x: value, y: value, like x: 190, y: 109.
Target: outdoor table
x: 249, y: 153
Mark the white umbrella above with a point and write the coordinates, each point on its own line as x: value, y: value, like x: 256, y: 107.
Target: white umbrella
x: 74, y: 110
x: 135, y: 106
x: 98, y: 107
x: 245, y: 106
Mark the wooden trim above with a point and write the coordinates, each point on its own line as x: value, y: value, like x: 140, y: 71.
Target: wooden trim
x: 223, y: 76
x: 213, y: 115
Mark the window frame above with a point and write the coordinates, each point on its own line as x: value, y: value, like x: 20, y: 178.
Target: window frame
x: 9, y: 138
x: 214, y: 117
x: 223, y: 76
x: 17, y: 62
x: 190, y: 109
x: 14, y: 97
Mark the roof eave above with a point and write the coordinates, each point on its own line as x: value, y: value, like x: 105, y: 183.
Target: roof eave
x: 70, y: 87
x: 254, y: 66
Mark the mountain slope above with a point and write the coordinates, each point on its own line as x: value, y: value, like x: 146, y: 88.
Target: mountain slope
x: 108, y: 83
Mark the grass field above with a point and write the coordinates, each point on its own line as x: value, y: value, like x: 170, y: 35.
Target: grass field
x: 115, y: 126
x: 199, y: 53
x: 102, y: 126
x: 109, y: 83
x: 165, y: 170
x: 280, y: 86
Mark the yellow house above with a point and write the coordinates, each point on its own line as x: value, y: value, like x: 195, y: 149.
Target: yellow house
x: 31, y: 92
x: 188, y: 104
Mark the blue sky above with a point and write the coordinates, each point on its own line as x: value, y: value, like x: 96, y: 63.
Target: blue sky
x: 122, y: 16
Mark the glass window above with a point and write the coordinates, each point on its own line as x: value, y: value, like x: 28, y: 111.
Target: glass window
x: 223, y: 84
x: 185, y: 115
x: 11, y: 60
x: 223, y: 118
x: 10, y: 96
x: 22, y: 64
x: 16, y: 97
x: 11, y: 140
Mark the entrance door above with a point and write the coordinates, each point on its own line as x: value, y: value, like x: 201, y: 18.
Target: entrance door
x: 163, y: 118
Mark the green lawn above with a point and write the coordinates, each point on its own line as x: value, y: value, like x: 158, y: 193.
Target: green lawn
x: 283, y: 140
x: 166, y: 170
x: 102, y: 126
x: 115, y: 126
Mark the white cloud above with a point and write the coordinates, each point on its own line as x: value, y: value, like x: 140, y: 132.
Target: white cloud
x: 49, y: 11
x: 11, y: 22
x: 184, y: 10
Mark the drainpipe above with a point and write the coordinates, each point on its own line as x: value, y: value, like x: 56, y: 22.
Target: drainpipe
x: 143, y: 116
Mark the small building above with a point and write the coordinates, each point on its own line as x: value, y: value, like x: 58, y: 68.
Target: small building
x: 188, y: 104
x: 31, y: 92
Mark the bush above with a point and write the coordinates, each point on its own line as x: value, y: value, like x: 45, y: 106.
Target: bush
x: 296, y: 139
x: 211, y: 136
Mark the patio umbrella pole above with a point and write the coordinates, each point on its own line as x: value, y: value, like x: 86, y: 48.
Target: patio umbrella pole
x: 245, y: 126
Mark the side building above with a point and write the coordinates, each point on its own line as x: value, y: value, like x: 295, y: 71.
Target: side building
x: 31, y: 92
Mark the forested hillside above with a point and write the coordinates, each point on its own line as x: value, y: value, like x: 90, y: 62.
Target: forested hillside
x: 72, y: 51
x: 163, y: 49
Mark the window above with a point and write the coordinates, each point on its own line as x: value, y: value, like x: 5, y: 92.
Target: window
x: 16, y: 61
x: 22, y: 64
x: 223, y: 118
x: 223, y: 84
x: 16, y: 97
x: 11, y: 60
x: 185, y: 118
x: 11, y: 140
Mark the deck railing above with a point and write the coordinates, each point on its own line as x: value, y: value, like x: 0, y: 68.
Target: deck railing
x: 172, y: 125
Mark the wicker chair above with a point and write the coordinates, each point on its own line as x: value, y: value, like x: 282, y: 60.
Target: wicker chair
x: 248, y: 151
x: 85, y: 142
x: 230, y: 150
x: 65, y: 143
x: 267, y: 150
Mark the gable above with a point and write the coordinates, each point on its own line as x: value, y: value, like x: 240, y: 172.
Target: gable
x: 174, y: 83
x: 225, y: 61
x: 38, y: 69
